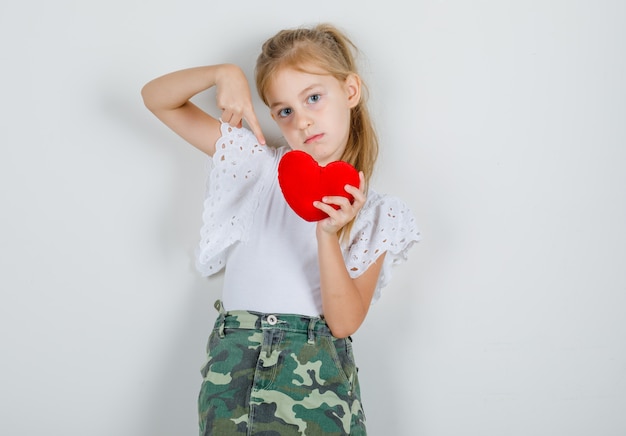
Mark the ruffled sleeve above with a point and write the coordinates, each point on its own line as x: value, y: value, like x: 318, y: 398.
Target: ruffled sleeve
x: 384, y: 224
x: 238, y: 178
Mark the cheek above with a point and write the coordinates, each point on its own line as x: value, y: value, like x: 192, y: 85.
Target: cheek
x: 342, y: 118
x: 286, y: 126
x: 286, y: 132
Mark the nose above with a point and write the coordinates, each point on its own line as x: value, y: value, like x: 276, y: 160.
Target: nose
x: 303, y: 120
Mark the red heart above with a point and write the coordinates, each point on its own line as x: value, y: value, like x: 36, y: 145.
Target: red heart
x: 304, y: 181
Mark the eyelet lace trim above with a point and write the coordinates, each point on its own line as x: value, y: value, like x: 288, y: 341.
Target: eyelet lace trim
x: 235, y: 186
x: 385, y: 224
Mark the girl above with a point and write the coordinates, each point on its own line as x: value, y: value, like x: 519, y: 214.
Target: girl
x: 280, y: 357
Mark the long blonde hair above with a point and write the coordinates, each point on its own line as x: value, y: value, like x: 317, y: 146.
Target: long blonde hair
x: 325, y: 47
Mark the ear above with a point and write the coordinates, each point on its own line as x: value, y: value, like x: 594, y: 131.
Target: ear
x: 353, y: 89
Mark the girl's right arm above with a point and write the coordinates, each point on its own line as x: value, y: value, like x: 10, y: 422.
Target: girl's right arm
x: 168, y: 98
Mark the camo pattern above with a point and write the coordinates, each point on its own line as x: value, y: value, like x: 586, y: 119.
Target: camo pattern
x: 278, y: 375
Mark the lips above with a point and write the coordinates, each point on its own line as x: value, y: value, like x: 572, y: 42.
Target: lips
x: 314, y: 138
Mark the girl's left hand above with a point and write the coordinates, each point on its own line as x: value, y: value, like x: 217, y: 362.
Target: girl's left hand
x: 337, y: 218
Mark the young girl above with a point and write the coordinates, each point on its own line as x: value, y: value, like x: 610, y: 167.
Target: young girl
x: 280, y: 357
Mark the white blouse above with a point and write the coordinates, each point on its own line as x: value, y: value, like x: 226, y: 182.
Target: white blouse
x: 268, y: 253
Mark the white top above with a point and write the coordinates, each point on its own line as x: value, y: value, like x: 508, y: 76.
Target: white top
x: 269, y: 252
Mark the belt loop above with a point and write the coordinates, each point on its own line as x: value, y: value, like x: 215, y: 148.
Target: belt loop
x: 221, y: 330
x: 219, y: 306
x: 268, y: 342
x: 222, y: 316
x: 311, y: 337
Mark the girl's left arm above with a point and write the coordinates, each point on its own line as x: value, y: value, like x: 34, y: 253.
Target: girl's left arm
x: 345, y: 300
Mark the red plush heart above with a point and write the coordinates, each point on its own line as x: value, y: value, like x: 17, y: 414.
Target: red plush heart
x: 304, y: 181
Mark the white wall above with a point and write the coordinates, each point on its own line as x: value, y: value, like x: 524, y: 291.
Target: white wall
x: 503, y: 127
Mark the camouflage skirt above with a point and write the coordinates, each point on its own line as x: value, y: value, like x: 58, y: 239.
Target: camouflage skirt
x: 278, y: 375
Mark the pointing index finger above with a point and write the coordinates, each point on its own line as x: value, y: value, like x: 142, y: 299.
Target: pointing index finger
x: 255, y: 127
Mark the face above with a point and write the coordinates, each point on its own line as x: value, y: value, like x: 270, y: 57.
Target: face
x: 313, y: 111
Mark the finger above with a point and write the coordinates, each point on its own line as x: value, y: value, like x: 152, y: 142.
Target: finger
x: 236, y: 118
x: 324, y: 207
x: 357, y: 194
x: 339, y: 200
x: 353, y: 190
x: 226, y: 116
x: 361, y: 186
x: 255, y: 126
x: 231, y: 117
x: 336, y: 217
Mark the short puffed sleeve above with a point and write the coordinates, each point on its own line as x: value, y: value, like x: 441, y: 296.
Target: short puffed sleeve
x: 385, y: 224
x: 239, y: 176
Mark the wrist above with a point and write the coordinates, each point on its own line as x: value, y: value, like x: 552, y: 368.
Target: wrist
x: 324, y: 235
x: 225, y: 71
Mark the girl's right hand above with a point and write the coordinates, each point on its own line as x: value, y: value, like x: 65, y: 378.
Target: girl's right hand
x: 235, y: 100
x: 168, y: 97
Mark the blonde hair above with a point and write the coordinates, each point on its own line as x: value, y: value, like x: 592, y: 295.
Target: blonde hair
x: 325, y: 47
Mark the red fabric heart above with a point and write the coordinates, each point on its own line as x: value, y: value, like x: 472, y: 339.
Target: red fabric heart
x: 304, y: 181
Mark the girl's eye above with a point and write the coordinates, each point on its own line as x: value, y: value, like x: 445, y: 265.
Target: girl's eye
x: 314, y: 98
x: 283, y: 113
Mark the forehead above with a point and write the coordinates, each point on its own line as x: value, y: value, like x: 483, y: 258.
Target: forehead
x: 290, y: 82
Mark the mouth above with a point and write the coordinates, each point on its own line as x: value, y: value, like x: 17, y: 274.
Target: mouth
x: 314, y: 138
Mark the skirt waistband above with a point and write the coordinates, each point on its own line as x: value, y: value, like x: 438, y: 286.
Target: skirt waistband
x: 248, y: 320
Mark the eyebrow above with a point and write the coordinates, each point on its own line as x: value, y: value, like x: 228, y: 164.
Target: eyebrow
x: 300, y: 94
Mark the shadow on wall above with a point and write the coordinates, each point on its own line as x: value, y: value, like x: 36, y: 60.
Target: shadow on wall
x: 170, y: 408
x: 171, y: 380
x: 379, y: 394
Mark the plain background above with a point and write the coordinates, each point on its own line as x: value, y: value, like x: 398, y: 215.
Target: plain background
x: 502, y: 126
